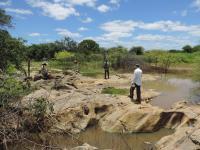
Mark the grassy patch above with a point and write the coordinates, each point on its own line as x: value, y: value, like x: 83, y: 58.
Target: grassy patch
x: 115, y: 91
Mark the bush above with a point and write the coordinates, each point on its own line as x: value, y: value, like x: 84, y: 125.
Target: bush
x: 138, y: 50
x: 63, y: 55
x: 41, y: 107
x: 10, y: 90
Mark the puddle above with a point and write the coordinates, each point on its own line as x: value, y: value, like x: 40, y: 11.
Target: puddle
x: 174, y: 89
x: 103, y: 140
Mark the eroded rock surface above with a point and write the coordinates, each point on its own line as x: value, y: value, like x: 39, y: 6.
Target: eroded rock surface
x: 81, y: 105
x: 187, y: 135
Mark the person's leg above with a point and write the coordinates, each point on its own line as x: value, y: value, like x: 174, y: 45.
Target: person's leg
x: 108, y: 74
x: 104, y: 74
x: 138, y: 90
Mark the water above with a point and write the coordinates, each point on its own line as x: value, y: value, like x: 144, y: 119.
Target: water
x: 103, y: 140
x: 174, y: 89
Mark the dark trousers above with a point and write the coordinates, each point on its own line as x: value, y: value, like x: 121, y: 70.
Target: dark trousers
x: 138, y: 91
x: 106, y: 74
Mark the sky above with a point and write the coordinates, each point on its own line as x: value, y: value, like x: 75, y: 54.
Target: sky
x: 153, y: 24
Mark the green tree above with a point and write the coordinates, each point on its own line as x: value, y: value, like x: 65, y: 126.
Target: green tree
x: 11, y: 50
x: 88, y: 46
x: 187, y: 49
x: 5, y: 20
x: 196, y: 48
x: 67, y: 44
x: 138, y: 50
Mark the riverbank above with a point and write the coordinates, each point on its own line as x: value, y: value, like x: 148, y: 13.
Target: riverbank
x: 79, y: 104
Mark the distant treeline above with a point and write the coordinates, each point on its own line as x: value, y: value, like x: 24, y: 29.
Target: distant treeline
x: 15, y: 50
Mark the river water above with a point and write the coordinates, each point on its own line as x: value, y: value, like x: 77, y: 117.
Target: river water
x: 174, y: 89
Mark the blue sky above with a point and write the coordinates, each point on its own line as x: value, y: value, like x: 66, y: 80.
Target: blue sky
x: 154, y: 24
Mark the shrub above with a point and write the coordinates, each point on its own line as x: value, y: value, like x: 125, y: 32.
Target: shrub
x: 10, y: 90
x: 41, y: 108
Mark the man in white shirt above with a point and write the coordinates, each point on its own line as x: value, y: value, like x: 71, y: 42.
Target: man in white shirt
x: 136, y: 83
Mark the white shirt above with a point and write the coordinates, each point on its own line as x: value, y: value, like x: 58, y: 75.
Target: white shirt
x: 137, y: 77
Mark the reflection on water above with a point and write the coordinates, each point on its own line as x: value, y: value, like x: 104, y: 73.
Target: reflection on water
x: 174, y: 89
x: 94, y: 136
x: 102, y: 140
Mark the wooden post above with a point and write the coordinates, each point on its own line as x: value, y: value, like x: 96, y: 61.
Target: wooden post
x: 29, y: 66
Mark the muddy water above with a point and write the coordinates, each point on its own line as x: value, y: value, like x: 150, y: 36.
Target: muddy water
x: 174, y: 89
x: 102, y: 140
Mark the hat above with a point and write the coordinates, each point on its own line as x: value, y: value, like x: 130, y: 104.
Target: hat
x: 137, y: 65
x: 44, y: 63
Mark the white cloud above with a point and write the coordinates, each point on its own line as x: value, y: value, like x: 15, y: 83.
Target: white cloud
x: 184, y: 13
x: 5, y: 3
x: 19, y: 11
x: 196, y: 4
x: 156, y: 41
x: 54, y: 10
x: 117, y: 29
x: 89, y: 3
x: 103, y: 8
x: 65, y: 32
x: 164, y: 38
x: 36, y: 34
x: 87, y: 20
x: 178, y: 34
x: 83, y: 29
x: 115, y: 2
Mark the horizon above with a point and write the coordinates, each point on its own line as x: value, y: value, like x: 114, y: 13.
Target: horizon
x: 154, y: 24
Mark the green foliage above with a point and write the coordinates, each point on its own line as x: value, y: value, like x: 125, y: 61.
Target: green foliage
x: 116, y: 53
x: 92, y: 68
x: 63, y: 55
x: 10, y: 90
x: 41, y: 107
x: 187, y: 49
x: 115, y: 91
x: 66, y: 44
x: 162, y: 59
x: 11, y: 50
x: 5, y: 19
x: 88, y: 46
x: 138, y: 50
x: 41, y: 51
x: 196, y: 48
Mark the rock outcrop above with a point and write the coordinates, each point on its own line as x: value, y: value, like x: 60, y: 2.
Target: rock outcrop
x: 187, y: 135
x: 81, y: 105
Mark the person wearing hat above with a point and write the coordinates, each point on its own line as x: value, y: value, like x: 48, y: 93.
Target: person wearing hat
x: 136, y: 83
x: 44, y: 71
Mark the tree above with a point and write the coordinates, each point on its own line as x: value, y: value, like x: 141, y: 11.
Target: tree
x: 116, y: 53
x: 67, y: 44
x: 44, y: 50
x: 11, y: 50
x: 88, y: 46
x: 5, y: 20
x: 196, y: 48
x: 187, y: 49
x: 138, y: 50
